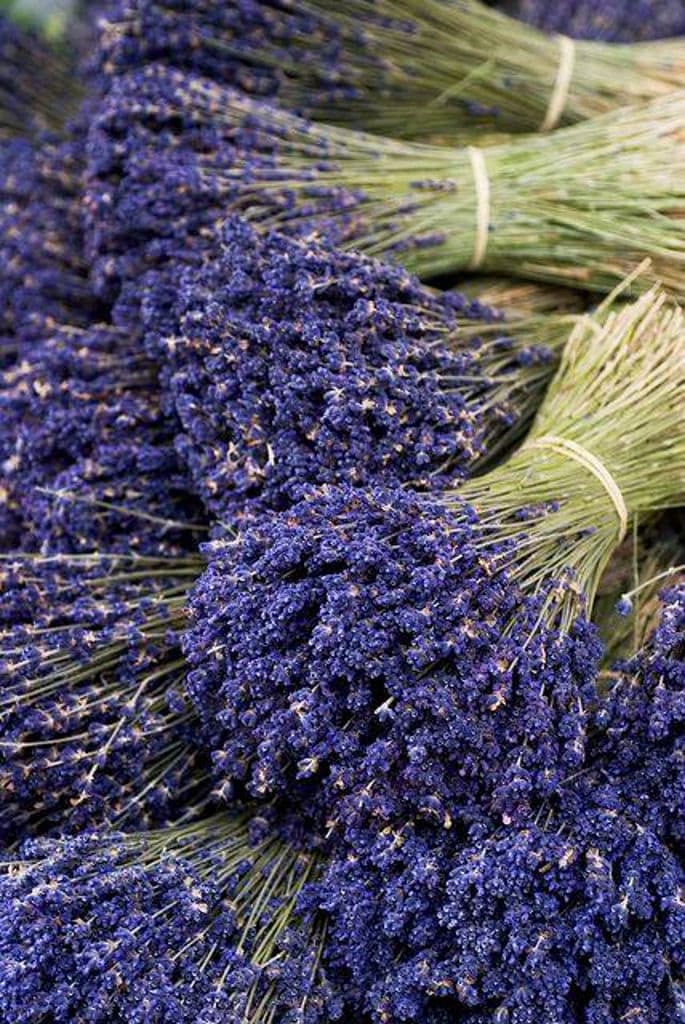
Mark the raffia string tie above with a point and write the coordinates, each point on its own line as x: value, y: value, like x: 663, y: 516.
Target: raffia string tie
x: 482, y: 183
x: 562, y: 83
x: 585, y: 458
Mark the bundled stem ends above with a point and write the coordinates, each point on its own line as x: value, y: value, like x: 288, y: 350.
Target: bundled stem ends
x: 610, y: 433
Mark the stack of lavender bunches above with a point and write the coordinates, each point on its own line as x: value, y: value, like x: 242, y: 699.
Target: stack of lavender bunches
x: 342, y: 447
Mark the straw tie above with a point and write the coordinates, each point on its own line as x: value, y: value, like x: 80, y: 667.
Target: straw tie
x: 482, y: 183
x: 585, y: 458
x: 562, y: 83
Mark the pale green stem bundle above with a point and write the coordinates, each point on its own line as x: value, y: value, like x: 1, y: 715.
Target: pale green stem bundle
x: 607, y: 445
x: 580, y: 207
x: 425, y: 68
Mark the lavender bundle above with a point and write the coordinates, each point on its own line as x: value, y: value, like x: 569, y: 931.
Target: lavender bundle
x: 183, y: 924
x: 405, y: 68
x: 380, y: 655
x: 612, y: 20
x: 331, y: 366
x: 581, y: 207
x: 291, y: 364
x: 575, y: 912
x: 93, y: 724
x: 172, y: 154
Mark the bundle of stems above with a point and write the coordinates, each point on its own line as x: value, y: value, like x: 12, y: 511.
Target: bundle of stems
x: 416, y: 65
x: 425, y: 68
x: 580, y: 208
x: 610, y: 434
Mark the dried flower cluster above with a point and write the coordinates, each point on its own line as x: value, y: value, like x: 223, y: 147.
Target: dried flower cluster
x: 366, y: 646
x: 576, y: 912
x: 290, y: 365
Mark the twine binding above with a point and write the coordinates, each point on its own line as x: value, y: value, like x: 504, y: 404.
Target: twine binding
x: 562, y: 83
x: 585, y: 458
x: 482, y: 183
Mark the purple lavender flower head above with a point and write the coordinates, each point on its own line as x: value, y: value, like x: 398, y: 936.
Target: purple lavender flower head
x: 71, y: 479
x: 93, y: 724
x: 585, y: 916
x: 292, y: 364
x: 170, y: 154
x: 92, y: 929
x: 364, y: 649
x: 582, y: 916
x: 640, y: 742
x: 577, y: 908
x: 146, y: 202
